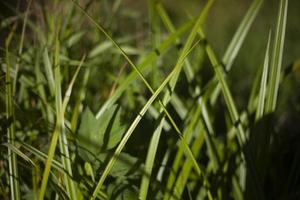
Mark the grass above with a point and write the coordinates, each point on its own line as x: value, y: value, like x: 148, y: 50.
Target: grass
x: 95, y: 110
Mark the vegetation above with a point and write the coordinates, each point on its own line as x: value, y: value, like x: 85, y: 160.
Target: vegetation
x: 129, y: 100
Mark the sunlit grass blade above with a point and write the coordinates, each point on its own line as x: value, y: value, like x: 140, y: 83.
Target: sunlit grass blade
x: 138, y: 70
x: 186, y: 169
x: 187, y: 134
x: 128, y: 134
x: 235, y: 118
x: 172, y: 81
x: 236, y: 43
x: 142, y: 66
x: 60, y: 110
x: 125, y: 138
x: 156, y: 135
x: 17, y: 151
x: 237, y: 40
x: 190, y: 75
x: 276, y: 60
x: 241, y: 33
x: 42, y: 156
x: 263, y: 83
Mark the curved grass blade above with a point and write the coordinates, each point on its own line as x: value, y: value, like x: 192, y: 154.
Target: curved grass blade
x: 20, y: 153
x: 127, y: 135
x: 59, y: 123
x: 179, y: 64
x: 138, y: 70
x: 276, y: 60
x: 60, y: 110
x: 156, y: 135
x: 236, y: 42
x: 142, y: 66
x: 49, y: 72
x: 42, y: 156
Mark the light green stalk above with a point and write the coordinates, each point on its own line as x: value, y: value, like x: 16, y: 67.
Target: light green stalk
x: 12, y: 157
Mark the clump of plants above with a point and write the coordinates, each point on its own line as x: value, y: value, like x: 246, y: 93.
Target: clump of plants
x: 98, y: 104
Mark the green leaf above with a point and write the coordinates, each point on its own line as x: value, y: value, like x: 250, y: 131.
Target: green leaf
x: 75, y: 38
x: 122, y: 165
x: 97, y: 135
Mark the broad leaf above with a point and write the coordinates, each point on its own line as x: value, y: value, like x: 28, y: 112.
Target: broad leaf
x: 96, y: 136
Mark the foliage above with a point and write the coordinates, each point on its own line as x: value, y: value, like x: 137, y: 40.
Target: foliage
x: 101, y: 103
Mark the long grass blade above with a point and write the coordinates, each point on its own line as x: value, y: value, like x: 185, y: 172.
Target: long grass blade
x: 12, y: 157
x: 58, y: 127
x: 241, y: 33
x: 172, y: 82
x: 263, y: 83
x: 133, y: 126
x: 20, y: 153
x: 276, y: 60
x: 178, y: 158
x: 142, y: 66
x: 236, y: 119
x: 42, y: 156
x: 128, y: 134
x: 60, y: 110
x: 186, y: 169
x: 138, y: 70
x: 156, y: 135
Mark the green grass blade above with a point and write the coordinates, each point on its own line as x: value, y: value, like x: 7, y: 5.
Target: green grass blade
x: 276, y: 60
x: 60, y: 110
x: 142, y: 66
x: 235, y: 118
x: 49, y: 71
x: 12, y: 157
x: 156, y: 135
x: 16, y: 150
x: 21, y: 45
x: 186, y: 169
x: 128, y: 134
x: 80, y: 98
x: 190, y: 75
x: 137, y: 69
x: 154, y: 31
x: 172, y: 82
x: 177, y: 162
x: 237, y: 40
x: 42, y: 156
x: 224, y: 86
x: 133, y: 126
x: 263, y: 83
x: 241, y: 33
